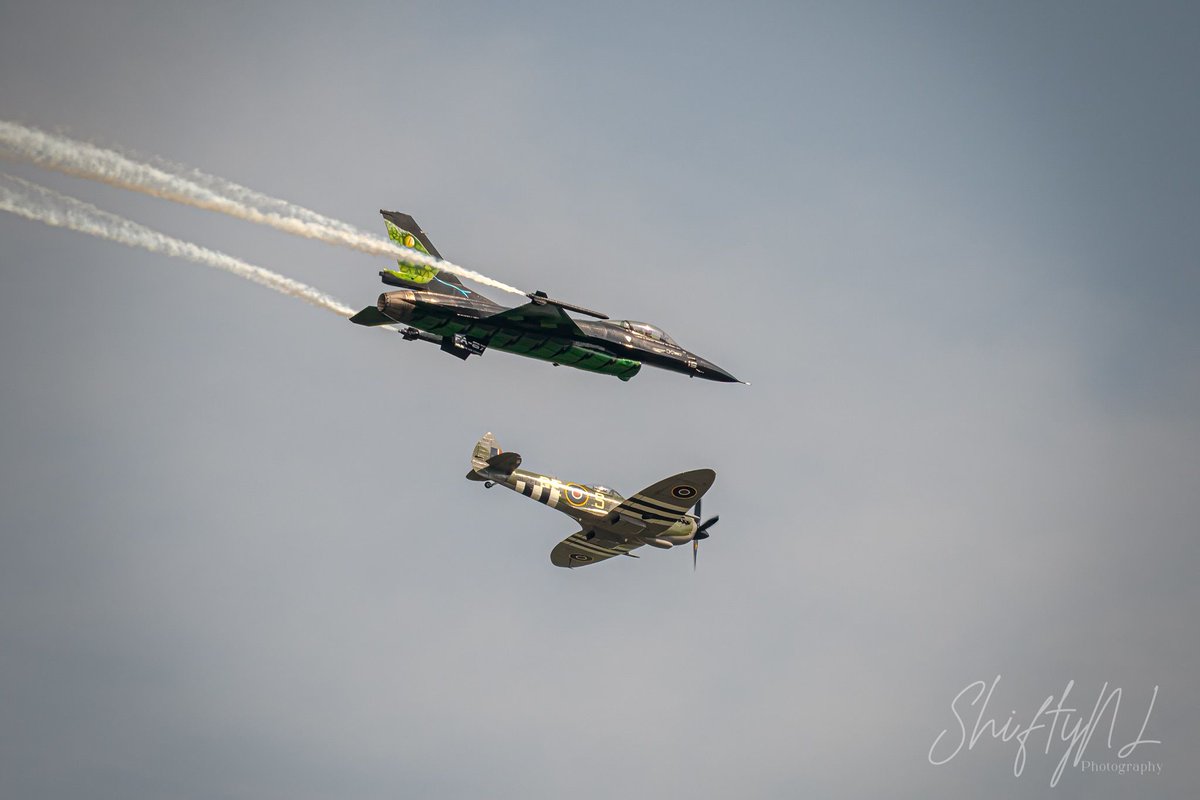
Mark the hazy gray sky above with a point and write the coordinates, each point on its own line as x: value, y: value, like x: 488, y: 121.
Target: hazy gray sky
x: 954, y: 249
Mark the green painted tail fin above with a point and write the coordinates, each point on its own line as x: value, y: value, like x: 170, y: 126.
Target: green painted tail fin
x: 404, y: 231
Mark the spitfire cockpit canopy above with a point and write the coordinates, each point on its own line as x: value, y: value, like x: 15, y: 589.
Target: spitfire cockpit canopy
x: 646, y: 329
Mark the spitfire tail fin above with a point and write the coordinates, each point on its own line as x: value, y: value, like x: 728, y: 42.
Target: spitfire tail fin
x: 404, y: 231
x: 485, y: 448
x: 489, y: 462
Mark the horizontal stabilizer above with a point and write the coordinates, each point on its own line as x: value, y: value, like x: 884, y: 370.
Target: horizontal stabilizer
x: 497, y: 468
x: 371, y: 316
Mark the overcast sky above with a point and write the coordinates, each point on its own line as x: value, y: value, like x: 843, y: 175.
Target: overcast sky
x: 954, y: 248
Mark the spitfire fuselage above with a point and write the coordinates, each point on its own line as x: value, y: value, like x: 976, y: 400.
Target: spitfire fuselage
x: 586, y: 504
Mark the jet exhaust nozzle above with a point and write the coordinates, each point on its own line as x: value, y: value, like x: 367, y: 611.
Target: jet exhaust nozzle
x: 397, y: 305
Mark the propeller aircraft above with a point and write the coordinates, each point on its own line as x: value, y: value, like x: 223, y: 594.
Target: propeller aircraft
x: 610, y: 525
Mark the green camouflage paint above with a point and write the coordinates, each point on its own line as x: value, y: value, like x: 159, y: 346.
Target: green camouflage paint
x: 557, y: 350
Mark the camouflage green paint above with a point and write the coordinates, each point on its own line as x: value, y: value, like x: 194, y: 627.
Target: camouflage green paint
x: 555, y: 349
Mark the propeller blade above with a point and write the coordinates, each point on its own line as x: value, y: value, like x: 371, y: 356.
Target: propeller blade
x: 701, y: 531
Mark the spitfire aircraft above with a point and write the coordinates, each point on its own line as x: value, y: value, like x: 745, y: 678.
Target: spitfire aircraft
x: 610, y: 525
x: 436, y: 307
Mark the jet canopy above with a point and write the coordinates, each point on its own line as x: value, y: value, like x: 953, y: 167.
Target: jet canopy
x: 646, y: 329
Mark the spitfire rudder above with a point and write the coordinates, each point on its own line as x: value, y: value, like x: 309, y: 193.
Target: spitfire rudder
x: 485, y: 448
x: 489, y: 462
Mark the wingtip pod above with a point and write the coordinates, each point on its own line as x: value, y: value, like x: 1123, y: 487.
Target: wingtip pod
x: 540, y: 298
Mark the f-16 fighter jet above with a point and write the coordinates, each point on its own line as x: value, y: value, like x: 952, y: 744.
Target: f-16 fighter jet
x: 610, y: 525
x: 436, y: 307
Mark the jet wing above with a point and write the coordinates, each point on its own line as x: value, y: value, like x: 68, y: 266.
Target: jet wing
x: 577, y: 551
x: 544, y: 318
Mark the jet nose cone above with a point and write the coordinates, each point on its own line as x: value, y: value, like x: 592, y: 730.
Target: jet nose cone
x: 710, y: 371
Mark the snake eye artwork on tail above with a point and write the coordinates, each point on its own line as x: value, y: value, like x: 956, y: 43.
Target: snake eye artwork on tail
x: 434, y: 306
x: 609, y: 524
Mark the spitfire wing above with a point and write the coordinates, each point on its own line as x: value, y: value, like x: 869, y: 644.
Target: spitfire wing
x: 662, y: 504
x: 578, y: 551
x: 648, y: 513
x: 548, y: 319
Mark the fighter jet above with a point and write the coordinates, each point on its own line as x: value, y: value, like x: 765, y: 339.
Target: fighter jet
x: 434, y: 306
x: 610, y: 525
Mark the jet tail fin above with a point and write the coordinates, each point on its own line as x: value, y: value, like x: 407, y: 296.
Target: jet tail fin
x: 404, y: 231
x: 489, y: 462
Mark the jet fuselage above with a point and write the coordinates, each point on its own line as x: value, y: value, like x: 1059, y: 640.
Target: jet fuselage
x: 613, y: 347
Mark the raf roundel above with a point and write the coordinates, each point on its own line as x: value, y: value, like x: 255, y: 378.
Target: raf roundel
x: 683, y: 491
x: 580, y: 557
x: 575, y: 495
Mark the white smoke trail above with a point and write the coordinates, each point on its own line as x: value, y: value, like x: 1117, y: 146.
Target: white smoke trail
x: 198, y: 189
x: 31, y: 201
x: 253, y: 199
